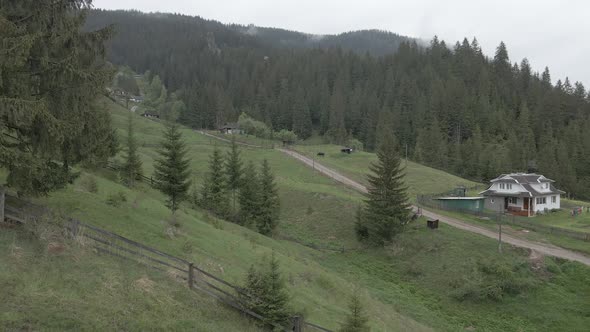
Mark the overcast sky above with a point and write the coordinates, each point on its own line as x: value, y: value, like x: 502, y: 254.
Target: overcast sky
x: 548, y: 33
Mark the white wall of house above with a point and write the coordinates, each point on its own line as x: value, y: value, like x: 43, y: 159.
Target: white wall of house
x: 549, y: 203
x: 494, y: 203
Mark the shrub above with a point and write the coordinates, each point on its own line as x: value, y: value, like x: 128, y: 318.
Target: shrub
x: 89, y: 184
x: 356, y: 320
x: 355, y: 144
x: 493, y: 281
x: 116, y: 199
x: 267, y: 294
x: 286, y: 136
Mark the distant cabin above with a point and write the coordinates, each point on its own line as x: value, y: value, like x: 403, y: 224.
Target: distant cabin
x: 523, y: 194
x: 230, y: 128
x: 151, y: 115
x: 136, y: 99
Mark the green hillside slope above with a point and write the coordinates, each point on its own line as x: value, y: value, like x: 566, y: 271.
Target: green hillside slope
x: 425, y: 280
x: 77, y: 290
x: 420, y: 179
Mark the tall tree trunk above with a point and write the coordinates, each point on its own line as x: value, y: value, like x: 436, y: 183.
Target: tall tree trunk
x: 2, y: 200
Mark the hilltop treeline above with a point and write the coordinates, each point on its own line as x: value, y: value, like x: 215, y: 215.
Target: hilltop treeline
x: 453, y: 107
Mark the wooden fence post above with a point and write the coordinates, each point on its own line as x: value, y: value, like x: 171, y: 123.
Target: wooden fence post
x: 190, y: 275
x: 2, y: 199
x: 297, y: 324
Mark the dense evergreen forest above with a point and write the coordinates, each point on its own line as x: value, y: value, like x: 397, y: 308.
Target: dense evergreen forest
x: 450, y: 105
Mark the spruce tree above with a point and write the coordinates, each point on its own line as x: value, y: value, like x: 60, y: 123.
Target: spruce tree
x: 356, y: 321
x: 267, y: 293
x: 172, y: 168
x: 336, y: 128
x: 214, y: 195
x: 386, y: 207
x: 301, y: 116
x: 51, y: 73
x: 233, y: 170
x: 249, y: 196
x: 132, y: 169
x: 268, y: 218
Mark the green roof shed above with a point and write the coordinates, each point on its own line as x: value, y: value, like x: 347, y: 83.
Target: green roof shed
x: 472, y: 204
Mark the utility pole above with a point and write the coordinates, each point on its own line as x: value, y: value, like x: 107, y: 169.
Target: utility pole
x: 2, y: 197
x: 499, y: 233
x: 406, y: 154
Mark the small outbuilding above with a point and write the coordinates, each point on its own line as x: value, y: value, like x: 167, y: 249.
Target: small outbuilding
x: 230, y: 128
x: 471, y: 204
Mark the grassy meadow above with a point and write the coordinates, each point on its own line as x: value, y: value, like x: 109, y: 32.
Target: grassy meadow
x: 420, y: 179
x: 75, y: 289
x: 446, y: 280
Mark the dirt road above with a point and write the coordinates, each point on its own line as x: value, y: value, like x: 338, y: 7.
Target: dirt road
x: 227, y: 140
x: 536, y: 246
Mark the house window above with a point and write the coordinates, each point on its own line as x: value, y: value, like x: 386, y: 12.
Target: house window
x: 553, y: 199
x: 509, y: 185
x: 541, y: 200
x: 502, y: 186
x: 513, y: 200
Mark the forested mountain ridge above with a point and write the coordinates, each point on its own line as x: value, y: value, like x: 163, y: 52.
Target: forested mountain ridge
x: 374, y: 42
x: 453, y: 107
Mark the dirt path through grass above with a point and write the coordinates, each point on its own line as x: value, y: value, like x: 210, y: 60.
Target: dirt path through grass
x: 539, y: 247
x: 227, y: 140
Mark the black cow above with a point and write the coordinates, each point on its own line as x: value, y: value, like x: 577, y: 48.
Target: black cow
x: 321, y: 154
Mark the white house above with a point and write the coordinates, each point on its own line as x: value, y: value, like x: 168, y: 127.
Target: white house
x: 522, y: 194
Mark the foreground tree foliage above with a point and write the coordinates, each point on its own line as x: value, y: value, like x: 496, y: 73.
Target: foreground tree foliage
x: 356, y: 321
x: 132, y: 168
x: 51, y: 74
x: 234, y: 168
x: 267, y: 293
x: 386, y: 208
x: 172, y: 168
x: 214, y: 193
x: 476, y: 113
x: 250, y: 196
x: 270, y: 208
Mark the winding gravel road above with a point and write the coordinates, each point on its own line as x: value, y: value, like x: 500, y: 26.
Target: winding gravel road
x: 542, y: 248
x: 545, y: 249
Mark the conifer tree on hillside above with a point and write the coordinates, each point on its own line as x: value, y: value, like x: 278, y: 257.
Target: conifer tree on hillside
x: 336, y: 128
x: 233, y: 170
x: 267, y: 293
x: 214, y: 194
x: 268, y: 217
x: 249, y: 196
x: 172, y: 168
x: 301, y: 116
x: 386, y: 208
x: 356, y: 321
x: 47, y: 105
x: 132, y: 169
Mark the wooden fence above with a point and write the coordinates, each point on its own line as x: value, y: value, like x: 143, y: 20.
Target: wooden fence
x: 197, y: 279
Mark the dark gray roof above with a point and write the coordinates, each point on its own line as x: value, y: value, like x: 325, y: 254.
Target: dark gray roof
x: 522, y: 178
x: 530, y: 192
x: 230, y: 125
